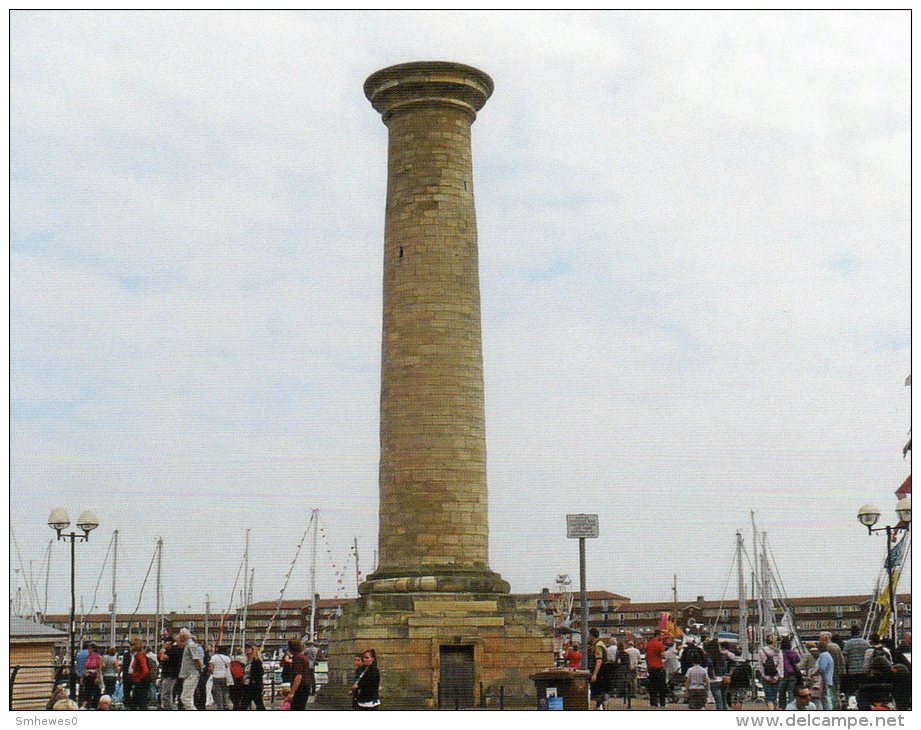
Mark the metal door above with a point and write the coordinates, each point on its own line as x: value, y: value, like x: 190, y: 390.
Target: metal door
x: 455, y: 687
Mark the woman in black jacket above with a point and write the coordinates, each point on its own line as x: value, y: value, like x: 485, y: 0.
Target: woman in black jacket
x: 253, y: 679
x: 368, y: 683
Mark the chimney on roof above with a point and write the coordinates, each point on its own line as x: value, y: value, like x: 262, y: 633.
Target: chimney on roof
x: 700, y: 599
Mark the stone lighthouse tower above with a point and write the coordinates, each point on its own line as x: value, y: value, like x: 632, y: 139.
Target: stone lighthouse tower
x: 442, y: 623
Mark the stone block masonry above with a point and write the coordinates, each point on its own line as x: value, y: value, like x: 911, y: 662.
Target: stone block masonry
x: 433, y: 594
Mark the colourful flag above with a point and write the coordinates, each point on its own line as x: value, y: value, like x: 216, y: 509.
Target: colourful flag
x: 884, y: 603
x: 897, y: 553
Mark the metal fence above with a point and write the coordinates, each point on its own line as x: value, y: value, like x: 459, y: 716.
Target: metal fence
x: 453, y: 698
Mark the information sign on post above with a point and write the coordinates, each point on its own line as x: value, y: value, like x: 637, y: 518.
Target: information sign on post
x: 582, y: 527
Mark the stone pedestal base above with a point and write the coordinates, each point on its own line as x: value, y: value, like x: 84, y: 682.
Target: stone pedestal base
x: 504, y: 637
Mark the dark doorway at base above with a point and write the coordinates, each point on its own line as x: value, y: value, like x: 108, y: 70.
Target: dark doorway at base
x: 455, y: 686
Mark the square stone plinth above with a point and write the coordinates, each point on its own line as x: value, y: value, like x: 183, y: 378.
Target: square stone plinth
x: 505, y: 638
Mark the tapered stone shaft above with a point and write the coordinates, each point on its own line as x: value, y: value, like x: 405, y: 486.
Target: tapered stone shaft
x: 442, y: 623
x: 433, y: 499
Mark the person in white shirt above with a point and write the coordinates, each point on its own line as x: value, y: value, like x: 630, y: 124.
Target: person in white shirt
x: 634, y: 654
x: 189, y: 669
x: 672, y: 662
x: 220, y: 674
x: 697, y: 682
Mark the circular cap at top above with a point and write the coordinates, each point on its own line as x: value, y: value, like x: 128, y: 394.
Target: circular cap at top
x: 428, y: 83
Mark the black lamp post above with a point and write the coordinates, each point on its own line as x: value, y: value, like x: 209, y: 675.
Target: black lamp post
x: 868, y: 515
x: 59, y: 521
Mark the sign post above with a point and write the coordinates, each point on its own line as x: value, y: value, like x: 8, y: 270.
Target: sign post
x: 582, y: 527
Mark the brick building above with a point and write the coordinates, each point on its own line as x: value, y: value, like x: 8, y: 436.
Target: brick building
x: 611, y: 613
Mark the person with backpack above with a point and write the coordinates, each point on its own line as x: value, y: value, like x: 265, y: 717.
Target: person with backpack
x: 877, y: 666
x: 740, y: 680
x: 877, y: 661
x: 770, y: 665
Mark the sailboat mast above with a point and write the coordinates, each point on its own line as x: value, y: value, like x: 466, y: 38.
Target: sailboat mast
x: 757, y: 591
x: 47, y: 576
x: 770, y: 620
x: 113, y: 606
x: 315, y: 518
x: 158, y: 627
x: 246, y: 586
x: 743, y: 603
x: 247, y: 599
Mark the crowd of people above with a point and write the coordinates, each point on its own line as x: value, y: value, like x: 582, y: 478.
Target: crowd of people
x: 830, y: 674
x: 181, y: 674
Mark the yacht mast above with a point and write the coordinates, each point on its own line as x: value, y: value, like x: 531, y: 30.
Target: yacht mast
x: 47, y: 576
x: 113, y: 606
x: 158, y: 629
x: 770, y: 620
x: 757, y: 590
x: 315, y: 519
x: 743, y: 603
x: 246, y: 589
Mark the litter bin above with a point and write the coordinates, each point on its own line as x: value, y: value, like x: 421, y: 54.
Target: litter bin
x: 562, y: 689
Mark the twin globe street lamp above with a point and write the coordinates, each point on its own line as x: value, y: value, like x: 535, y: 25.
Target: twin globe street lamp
x: 868, y: 515
x: 59, y: 521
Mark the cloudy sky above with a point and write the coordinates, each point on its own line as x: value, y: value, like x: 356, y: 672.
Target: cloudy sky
x: 694, y: 250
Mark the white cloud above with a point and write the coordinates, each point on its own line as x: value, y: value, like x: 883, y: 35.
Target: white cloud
x: 694, y: 238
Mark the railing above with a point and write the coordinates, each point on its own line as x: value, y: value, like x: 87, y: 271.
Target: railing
x: 43, y: 688
x: 450, y: 698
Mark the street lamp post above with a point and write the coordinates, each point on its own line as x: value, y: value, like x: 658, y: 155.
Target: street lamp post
x: 868, y: 515
x: 59, y: 521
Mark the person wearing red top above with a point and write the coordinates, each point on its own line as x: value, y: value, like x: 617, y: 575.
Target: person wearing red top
x: 655, y: 663
x: 91, y: 681
x: 574, y: 657
x: 140, y: 675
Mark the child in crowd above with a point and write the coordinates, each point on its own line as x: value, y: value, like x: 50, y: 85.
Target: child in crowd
x: 285, y: 694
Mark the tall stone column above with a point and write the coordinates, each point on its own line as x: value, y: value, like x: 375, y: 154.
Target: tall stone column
x: 433, y: 501
x: 444, y: 626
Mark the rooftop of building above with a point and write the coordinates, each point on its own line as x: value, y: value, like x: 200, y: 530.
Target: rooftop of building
x: 22, y: 628
x: 624, y: 604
